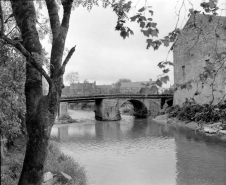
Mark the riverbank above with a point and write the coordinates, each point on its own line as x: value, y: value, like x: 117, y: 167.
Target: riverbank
x: 12, y: 162
x: 211, y: 130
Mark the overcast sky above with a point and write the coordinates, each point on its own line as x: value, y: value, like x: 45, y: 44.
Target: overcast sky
x: 103, y: 56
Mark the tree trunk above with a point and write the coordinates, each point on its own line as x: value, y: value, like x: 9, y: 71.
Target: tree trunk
x: 40, y: 111
x: 38, y: 128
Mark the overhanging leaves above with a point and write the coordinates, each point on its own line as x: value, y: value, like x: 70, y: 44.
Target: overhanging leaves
x: 159, y: 83
x: 141, y: 10
x: 166, y: 70
x: 165, y: 79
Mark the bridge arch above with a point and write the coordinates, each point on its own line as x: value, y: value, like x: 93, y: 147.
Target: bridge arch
x: 140, y: 108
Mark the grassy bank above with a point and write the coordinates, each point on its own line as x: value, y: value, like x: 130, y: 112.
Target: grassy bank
x: 12, y: 161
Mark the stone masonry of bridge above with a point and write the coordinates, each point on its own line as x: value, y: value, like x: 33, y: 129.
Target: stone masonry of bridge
x: 108, y: 103
x: 107, y: 109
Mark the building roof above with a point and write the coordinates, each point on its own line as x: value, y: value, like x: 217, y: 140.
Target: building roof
x: 135, y: 84
x: 81, y: 85
x: 104, y: 86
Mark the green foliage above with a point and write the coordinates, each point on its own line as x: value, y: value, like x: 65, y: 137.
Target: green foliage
x: 116, y: 86
x: 12, y: 99
x: 10, y: 173
x: 12, y: 162
x: 65, y: 119
x: 210, y: 7
x: 191, y: 111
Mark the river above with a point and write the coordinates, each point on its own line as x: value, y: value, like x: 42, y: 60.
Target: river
x: 141, y: 152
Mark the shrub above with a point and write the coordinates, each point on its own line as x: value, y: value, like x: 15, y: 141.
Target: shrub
x: 191, y: 111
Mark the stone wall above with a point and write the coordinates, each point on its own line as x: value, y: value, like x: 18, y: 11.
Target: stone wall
x: 63, y: 109
x: 197, y: 46
x: 107, y: 110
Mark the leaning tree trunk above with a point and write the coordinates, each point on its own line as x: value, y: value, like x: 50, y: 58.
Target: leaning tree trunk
x: 40, y: 112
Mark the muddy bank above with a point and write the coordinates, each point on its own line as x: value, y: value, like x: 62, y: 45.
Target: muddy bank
x: 212, y: 130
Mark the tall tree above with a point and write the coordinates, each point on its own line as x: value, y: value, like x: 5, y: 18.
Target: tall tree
x: 41, y: 110
x: 72, y: 77
x: 117, y: 85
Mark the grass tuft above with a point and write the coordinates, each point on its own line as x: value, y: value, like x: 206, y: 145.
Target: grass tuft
x: 57, y: 162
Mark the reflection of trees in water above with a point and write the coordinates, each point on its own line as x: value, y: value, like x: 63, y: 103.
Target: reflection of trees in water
x: 147, y: 127
x: 200, y: 159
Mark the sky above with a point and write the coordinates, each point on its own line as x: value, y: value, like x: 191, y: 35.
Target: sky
x: 103, y: 56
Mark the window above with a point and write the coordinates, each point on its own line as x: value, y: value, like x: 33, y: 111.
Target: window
x: 183, y: 72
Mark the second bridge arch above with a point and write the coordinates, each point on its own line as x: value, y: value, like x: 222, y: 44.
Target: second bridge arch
x: 108, y: 109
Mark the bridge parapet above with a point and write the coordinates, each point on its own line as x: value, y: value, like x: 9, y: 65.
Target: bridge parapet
x: 100, y: 91
x: 118, y: 95
x: 107, y: 105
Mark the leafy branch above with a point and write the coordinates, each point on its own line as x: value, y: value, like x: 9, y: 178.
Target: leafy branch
x: 30, y: 58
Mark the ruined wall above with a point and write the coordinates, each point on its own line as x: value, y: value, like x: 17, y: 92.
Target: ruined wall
x: 197, y: 46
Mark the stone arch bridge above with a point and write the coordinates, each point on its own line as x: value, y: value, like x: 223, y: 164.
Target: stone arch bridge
x: 107, y: 106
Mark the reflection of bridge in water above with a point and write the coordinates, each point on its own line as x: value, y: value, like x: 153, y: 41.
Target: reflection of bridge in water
x: 105, y: 131
x: 108, y: 102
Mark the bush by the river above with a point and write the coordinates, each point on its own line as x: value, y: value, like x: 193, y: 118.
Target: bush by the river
x: 191, y: 111
x: 65, y: 119
x: 12, y: 162
x: 82, y: 106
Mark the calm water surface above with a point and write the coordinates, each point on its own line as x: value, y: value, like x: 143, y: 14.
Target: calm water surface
x: 141, y: 152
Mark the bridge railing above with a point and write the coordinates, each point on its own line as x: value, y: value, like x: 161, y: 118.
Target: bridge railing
x: 107, y: 91
x: 101, y: 91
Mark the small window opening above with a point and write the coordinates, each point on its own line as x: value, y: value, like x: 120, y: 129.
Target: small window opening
x: 183, y: 72
x: 183, y: 69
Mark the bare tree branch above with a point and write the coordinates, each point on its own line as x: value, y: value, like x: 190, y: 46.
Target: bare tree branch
x: 29, y: 57
x: 72, y: 50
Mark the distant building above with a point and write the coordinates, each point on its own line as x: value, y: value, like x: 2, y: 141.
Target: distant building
x: 78, y: 89
x: 144, y: 87
x: 197, y: 46
x: 103, y: 89
x: 65, y: 91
